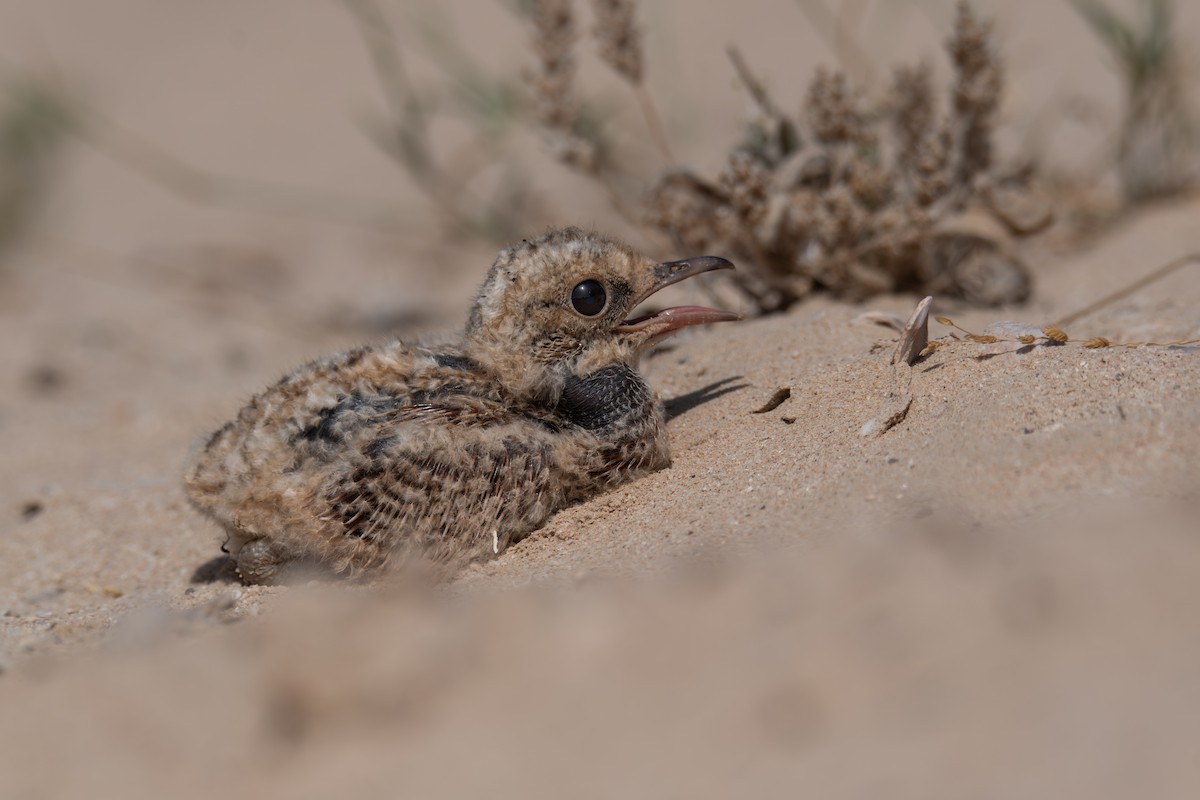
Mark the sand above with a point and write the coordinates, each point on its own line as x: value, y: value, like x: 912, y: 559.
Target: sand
x: 993, y: 598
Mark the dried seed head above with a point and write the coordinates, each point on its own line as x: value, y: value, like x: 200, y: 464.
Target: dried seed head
x: 912, y: 113
x: 552, y: 81
x: 686, y: 207
x: 1097, y: 342
x: 840, y: 221
x: 833, y: 112
x: 1056, y: 334
x: 746, y: 181
x: 553, y: 42
x: 871, y: 182
x: 620, y: 40
x: 932, y: 168
x: 978, y: 84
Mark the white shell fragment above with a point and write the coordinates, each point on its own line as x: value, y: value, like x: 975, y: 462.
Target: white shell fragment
x: 898, y: 399
x: 915, y: 335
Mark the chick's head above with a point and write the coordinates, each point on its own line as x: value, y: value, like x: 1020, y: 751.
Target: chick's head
x: 560, y: 305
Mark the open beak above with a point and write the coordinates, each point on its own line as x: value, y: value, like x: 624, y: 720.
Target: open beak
x: 661, y: 323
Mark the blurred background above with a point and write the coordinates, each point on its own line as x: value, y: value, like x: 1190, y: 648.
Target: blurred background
x: 354, y: 143
x: 195, y: 197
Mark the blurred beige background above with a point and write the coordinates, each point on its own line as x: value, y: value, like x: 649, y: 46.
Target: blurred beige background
x: 996, y: 599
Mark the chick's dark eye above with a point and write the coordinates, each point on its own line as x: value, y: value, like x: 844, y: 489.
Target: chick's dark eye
x: 589, y: 298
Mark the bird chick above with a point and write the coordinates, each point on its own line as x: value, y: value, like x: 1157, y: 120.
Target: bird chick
x: 454, y: 450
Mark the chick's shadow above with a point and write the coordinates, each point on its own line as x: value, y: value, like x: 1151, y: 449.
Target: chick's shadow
x: 678, y: 406
x: 222, y: 569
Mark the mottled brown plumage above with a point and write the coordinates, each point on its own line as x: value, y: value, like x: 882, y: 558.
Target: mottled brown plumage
x: 454, y: 450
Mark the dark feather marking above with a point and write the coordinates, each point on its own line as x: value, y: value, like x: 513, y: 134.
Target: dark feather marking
x: 354, y: 357
x: 335, y: 422
x: 377, y: 447
x: 450, y: 361
x: 601, y: 400
x: 217, y: 434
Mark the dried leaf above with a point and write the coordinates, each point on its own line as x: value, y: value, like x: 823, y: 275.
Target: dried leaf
x: 781, y: 394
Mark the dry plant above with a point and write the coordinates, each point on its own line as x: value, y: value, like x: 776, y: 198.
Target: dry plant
x: 1156, y: 152
x: 853, y: 198
x: 496, y: 206
x: 573, y: 130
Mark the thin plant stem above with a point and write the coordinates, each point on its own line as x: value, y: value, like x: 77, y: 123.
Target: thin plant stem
x: 833, y: 29
x: 758, y: 92
x: 1126, y: 291
x: 654, y: 122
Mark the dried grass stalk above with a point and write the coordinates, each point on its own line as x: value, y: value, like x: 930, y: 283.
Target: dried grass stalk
x: 620, y: 43
x: 1048, y: 335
